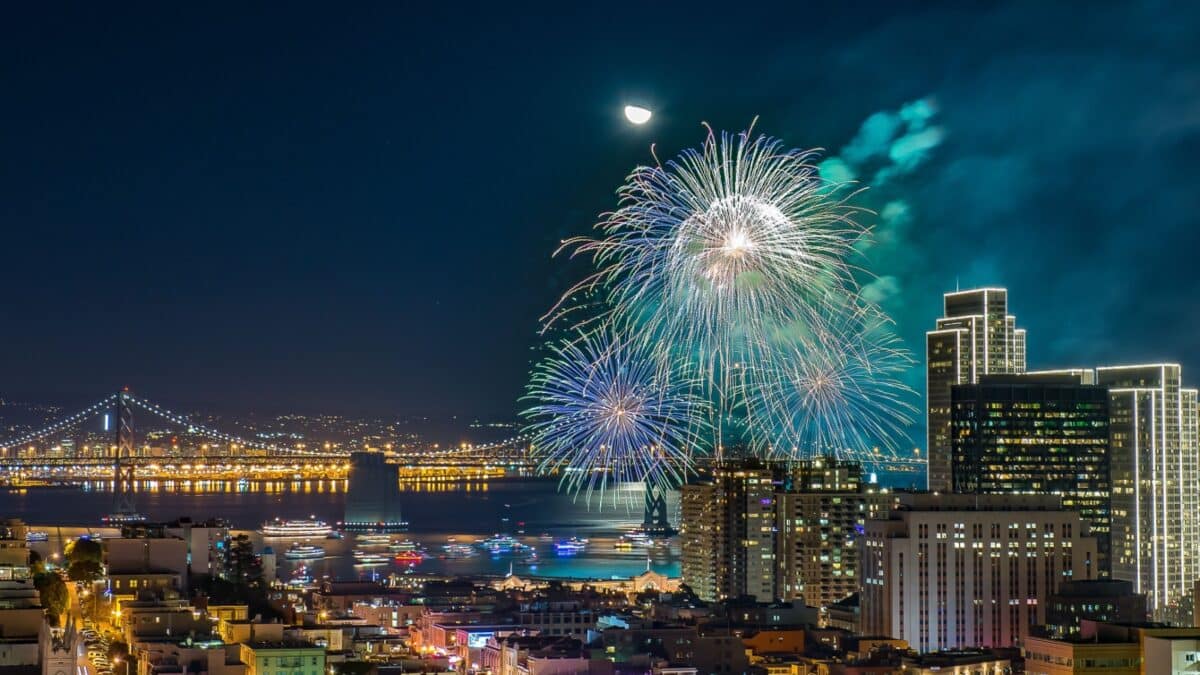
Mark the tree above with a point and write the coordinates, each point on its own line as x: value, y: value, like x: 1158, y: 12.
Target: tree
x: 85, y: 549
x: 84, y: 558
x: 243, y: 567
x: 84, y: 570
x: 52, y: 591
x: 36, y: 564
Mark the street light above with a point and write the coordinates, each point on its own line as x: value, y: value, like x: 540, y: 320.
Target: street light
x: 125, y: 670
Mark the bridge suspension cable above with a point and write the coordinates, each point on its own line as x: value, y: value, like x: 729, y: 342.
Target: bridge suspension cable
x: 108, y: 404
x: 103, y: 405
x: 202, y: 430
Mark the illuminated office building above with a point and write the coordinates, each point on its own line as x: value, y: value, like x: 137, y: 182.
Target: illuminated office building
x: 1038, y: 433
x: 975, y: 337
x: 1155, y: 482
x: 727, y: 536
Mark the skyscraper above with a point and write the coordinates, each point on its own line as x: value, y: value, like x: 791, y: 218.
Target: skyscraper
x: 1155, y: 479
x: 1038, y: 433
x: 975, y: 337
x: 727, y: 534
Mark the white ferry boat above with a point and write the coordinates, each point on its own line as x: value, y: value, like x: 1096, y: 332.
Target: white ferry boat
x: 459, y: 551
x: 304, y: 552
x: 296, y: 528
x: 373, y: 539
x: 571, y: 546
x: 408, y: 545
x: 501, y: 543
x: 369, y: 557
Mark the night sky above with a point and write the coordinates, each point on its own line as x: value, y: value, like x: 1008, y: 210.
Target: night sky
x: 352, y: 208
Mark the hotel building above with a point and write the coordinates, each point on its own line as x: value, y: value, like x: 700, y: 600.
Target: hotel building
x: 975, y: 337
x: 953, y: 571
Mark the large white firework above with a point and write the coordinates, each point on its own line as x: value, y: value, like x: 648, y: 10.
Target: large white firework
x: 604, y: 412
x: 721, y: 256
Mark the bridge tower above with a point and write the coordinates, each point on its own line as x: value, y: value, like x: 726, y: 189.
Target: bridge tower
x: 123, y: 499
x: 655, y: 521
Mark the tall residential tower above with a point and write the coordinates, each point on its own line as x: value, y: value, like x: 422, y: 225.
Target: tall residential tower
x: 1155, y: 479
x: 975, y: 337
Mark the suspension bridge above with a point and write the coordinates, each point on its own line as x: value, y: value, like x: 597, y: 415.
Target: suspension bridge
x: 39, y: 454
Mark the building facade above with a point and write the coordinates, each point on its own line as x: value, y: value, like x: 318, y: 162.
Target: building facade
x: 1036, y: 434
x: 821, y: 512
x: 1156, y: 503
x: 976, y: 336
x: 727, y: 537
x: 954, y: 571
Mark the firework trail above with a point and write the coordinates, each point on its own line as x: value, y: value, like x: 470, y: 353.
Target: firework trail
x: 604, y: 412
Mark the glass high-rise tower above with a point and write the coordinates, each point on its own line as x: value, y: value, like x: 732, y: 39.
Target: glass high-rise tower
x: 975, y: 337
x: 1037, y: 433
x: 1155, y: 480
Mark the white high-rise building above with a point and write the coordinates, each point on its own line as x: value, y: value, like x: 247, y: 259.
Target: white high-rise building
x: 953, y: 571
x: 1155, y: 459
x: 975, y: 337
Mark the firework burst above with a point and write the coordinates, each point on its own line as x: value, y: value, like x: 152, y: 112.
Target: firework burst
x: 837, y: 391
x: 732, y: 264
x: 718, y: 252
x: 605, y: 413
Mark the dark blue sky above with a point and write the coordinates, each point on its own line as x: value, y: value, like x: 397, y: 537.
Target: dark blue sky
x: 352, y: 209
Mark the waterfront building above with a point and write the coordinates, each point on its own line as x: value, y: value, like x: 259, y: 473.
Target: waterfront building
x: 727, y: 537
x: 1037, y: 433
x: 976, y: 336
x: 821, y: 510
x: 955, y: 571
x: 1096, y: 600
x: 373, y: 494
x: 1155, y: 473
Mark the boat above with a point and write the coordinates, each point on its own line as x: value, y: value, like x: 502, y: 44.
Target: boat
x: 373, y: 540
x: 300, y: 576
x: 623, y: 544
x: 410, y: 557
x: 296, y: 528
x: 304, y: 552
x: 406, y: 546
x: 501, y: 543
x: 124, y: 518
x: 457, y: 551
x: 571, y: 546
x: 369, y: 557
x: 37, y: 535
x: 545, y: 536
